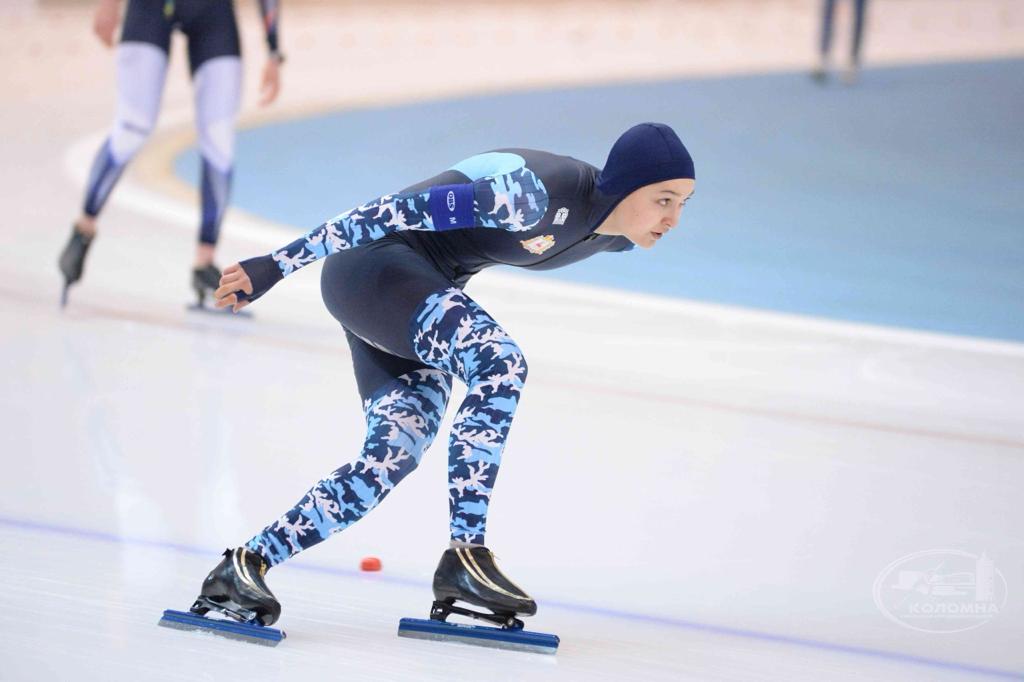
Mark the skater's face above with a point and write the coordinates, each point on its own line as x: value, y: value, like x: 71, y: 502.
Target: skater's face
x: 646, y: 215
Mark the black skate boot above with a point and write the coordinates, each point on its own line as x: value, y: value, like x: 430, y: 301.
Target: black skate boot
x: 236, y: 589
x: 205, y: 280
x: 72, y: 260
x: 469, y: 574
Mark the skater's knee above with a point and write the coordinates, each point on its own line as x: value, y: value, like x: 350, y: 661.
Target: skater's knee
x: 502, y: 362
x: 404, y: 416
x: 216, y: 149
x: 401, y: 446
x: 514, y: 364
x: 523, y: 367
x: 416, y: 450
x: 395, y: 443
x: 420, y: 443
x: 390, y: 462
x: 128, y: 136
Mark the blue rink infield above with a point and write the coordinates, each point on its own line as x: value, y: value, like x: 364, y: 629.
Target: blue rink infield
x: 893, y: 202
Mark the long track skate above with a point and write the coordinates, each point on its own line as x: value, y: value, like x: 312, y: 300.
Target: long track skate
x: 469, y: 574
x: 72, y: 261
x: 234, y: 589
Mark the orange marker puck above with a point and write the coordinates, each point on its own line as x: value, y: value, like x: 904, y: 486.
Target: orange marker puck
x: 370, y: 563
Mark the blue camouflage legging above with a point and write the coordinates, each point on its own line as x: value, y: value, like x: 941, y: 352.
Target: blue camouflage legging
x: 453, y: 333
x: 448, y: 334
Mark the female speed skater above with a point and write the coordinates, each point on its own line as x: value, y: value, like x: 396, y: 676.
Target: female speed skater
x: 393, y: 278
x: 216, y: 68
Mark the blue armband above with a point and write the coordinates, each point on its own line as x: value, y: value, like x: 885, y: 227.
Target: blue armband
x: 451, y: 206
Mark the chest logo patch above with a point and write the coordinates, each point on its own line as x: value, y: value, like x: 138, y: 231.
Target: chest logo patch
x: 538, y: 245
x: 560, y: 216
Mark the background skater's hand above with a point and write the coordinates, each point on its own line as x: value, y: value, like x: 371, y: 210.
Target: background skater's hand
x: 233, y: 280
x: 271, y: 83
x: 105, y: 20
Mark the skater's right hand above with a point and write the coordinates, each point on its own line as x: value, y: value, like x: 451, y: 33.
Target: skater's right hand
x: 242, y: 283
x: 233, y: 280
x: 105, y: 21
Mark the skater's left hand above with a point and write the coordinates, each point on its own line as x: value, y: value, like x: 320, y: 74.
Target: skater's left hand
x: 271, y: 83
x: 233, y: 279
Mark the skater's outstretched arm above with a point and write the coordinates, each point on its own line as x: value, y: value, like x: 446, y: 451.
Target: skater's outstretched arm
x: 515, y: 201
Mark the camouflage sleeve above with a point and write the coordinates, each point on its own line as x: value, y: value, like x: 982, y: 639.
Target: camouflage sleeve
x: 270, y: 11
x: 514, y: 201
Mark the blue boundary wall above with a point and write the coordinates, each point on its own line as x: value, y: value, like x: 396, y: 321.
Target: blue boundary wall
x: 898, y: 201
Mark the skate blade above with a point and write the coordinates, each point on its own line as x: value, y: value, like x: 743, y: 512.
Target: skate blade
x: 246, y: 632
x: 219, y: 312
x: 479, y: 635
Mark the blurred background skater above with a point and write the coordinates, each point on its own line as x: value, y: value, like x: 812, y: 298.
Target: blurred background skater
x: 852, y: 70
x: 214, y: 55
x: 411, y: 329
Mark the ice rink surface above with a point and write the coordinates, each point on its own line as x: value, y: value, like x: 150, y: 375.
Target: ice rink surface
x: 730, y: 484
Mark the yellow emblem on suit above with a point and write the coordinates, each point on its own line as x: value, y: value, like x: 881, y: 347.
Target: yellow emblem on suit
x: 539, y: 245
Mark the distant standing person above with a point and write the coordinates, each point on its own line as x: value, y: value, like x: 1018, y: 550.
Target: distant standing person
x: 214, y: 56
x: 852, y: 71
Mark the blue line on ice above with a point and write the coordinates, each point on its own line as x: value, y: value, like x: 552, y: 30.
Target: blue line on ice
x: 100, y: 536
